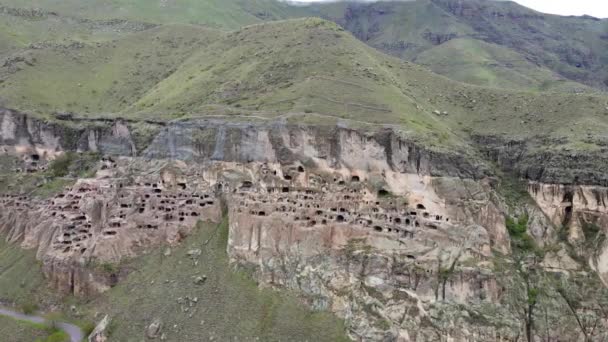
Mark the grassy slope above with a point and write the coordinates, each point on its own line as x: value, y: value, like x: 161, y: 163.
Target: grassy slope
x: 476, y: 62
x: 102, y: 77
x: 541, y: 46
x: 20, y: 274
x: 305, y: 65
x: 22, y: 284
x: 20, y: 28
x: 385, y: 24
x: 307, y: 69
x: 13, y: 330
x: 229, y: 14
x: 571, y: 46
x: 229, y: 305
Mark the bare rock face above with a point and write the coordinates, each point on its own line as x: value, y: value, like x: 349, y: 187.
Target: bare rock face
x: 372, y: 245
x: 103, y: 220
x: 40, y: 140
x: 100, y: 333
x: 581, y: 210
x: 368, y: 225
x: 349, y: 245
x: 153, y: 330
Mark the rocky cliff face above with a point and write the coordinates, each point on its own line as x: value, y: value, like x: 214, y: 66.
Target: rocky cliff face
x: 368, y: 225
x: 23, y: 135
x: 100, y: 221
x: 367, y: 255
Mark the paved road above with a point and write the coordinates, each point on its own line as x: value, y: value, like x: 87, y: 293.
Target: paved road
x: 76, y: 334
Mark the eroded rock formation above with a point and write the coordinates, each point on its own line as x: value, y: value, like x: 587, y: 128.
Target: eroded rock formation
x: 368, y: 225
x: 106, y: 219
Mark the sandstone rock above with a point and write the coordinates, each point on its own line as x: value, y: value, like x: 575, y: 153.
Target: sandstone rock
x: 99, y: 333
x: 154, y: 329
x: 200, y: 280
x: 360, y: 229
x: 194, y: 253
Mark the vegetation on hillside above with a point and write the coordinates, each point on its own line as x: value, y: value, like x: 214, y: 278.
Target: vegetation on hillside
x: 13, y: 330
x: 490, y: 43
x: 21, y: 279
x: 164, y: 284
x: 61, y: 172
x: 305, y: 70
x: 226, y: 14
x: 498, y: 37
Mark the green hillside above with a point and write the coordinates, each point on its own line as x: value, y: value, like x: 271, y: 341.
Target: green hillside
x: 228, y: 14
x: 304, y: 67
x: 304, y: 70
x: 572, y: 47
x: 518, y: 47
x: 21, y: 331
x: 98, y: 77
x: 26, y: 27
x: 477, y: 62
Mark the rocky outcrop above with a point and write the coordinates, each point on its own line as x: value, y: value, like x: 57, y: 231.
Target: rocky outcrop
x: 581, y: 212
x: 85, y: 229
x: 324, y: 146
x: 396, y: 241
x: 100, y: 333
x: 527, y: 160
x: 393, y: 237
x: 373, y: 256
x: 23, y: 135
x: 572, y: 206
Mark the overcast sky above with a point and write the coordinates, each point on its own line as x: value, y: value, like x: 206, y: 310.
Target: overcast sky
x: 596, y: 8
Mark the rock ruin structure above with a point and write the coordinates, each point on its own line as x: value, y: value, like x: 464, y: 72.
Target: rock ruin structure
x: 362, y: 224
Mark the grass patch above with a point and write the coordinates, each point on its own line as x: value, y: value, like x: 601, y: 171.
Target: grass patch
x: 74, y: 164
x: 13, y: 330
x: 29, y: 308
x: 513, y: 190
x: 521, y: 241
x: 21, y: 280
x: 62, y: 172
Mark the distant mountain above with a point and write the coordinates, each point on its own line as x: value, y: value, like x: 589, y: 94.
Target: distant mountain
x: 483, y: 41
x: 226, y: 14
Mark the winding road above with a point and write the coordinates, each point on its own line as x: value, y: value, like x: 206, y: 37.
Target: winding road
x: 76, y: 334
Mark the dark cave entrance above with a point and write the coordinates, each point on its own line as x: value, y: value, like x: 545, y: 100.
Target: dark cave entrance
x: 568, y: 206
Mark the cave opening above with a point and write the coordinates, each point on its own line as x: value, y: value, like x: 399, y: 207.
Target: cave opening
x: 383, y: 193
x: 568, y: 206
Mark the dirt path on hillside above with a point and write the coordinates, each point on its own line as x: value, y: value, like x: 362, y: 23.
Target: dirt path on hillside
x: 76, y: 334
